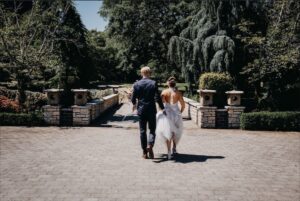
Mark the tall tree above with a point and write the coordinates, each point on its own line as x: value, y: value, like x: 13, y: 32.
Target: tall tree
x: 49, y: 35
x: 275, y: 72
x: 143, y: 29
x: 27, y: 42
x: 104, y: 58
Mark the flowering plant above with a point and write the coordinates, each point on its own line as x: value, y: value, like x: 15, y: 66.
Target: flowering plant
x: 8, y: 105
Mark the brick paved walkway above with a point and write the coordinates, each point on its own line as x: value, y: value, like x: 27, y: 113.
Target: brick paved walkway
x: 104, y: 163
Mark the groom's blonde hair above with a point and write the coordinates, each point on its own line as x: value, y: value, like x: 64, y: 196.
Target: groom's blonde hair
x: 146, y: 71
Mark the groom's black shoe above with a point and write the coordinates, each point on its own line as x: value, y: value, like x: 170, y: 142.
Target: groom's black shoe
x: 145, y: 155
x: 151, y: 154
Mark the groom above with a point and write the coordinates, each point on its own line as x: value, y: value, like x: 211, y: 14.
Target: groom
x: 146, y: 92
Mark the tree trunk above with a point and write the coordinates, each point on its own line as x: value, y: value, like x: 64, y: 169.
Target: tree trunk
x: 21, y: 97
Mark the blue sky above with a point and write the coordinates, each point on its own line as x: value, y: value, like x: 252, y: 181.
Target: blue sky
x: 89, y: 16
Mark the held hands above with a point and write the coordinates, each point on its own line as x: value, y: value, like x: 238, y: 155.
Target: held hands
x: 133, y: 108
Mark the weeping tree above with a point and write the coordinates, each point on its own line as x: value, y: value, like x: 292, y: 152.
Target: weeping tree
x: 207, y: 44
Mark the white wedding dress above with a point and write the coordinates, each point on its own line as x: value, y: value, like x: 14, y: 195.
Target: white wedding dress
x: 167, y: 126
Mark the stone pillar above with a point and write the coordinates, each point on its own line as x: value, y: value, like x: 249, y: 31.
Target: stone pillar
x: 81, y: 115
x: 207, y: 117
x: 51, y: 114
x: 234, y: 109
x: 234, y: 113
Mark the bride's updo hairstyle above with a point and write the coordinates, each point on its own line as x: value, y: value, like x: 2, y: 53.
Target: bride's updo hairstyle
x: 172, y: 82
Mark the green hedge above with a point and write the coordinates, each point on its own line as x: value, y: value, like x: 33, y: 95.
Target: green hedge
x: 217, y: 81
x: 21, y: 119
x: 284, y: 121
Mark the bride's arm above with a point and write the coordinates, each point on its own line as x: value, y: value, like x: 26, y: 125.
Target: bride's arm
x: 163, y: 96
x: 181, y: 101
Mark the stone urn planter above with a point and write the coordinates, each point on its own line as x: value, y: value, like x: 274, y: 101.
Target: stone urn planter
x: 53, y: 96
x: 234, y: 97
x: 206, y: 97
x: 80, y: 96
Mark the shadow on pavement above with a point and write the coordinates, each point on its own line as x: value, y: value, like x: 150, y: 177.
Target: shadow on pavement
x: 186, y: 158
x: 111, y: 119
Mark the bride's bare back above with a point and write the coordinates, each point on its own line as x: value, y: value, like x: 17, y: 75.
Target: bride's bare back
x: 173, y: 97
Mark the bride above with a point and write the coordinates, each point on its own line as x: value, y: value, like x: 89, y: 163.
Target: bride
x: 169, y: 127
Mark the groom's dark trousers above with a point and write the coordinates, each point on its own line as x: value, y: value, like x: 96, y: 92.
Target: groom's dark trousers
x: 145, y: 94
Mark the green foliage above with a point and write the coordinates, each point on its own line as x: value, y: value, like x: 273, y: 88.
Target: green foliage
x: 103, y: 57
x: 217, y: 81
x: 21, y: 119
x: 274, y: 73
x: 285, y: 121
x: 44, y: 46
x: 141, y: 30
x: 206, y: 45
x: 27, y: 42
x: 4, y: 74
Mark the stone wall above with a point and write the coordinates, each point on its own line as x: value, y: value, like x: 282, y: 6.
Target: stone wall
x: 51, y: 114
x: 95, y: 109
x: 82, y: 115
x: 109, y: 101
x: 211, y: 117
x: 192, y: 109
x: 234, y: 113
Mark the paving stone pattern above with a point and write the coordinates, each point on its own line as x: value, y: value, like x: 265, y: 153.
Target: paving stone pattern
x: 104, y: 163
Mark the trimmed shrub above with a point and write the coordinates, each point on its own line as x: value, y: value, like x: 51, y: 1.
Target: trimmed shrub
x: 284, y: 121
x: 217, y: 81
x: 21, y: 119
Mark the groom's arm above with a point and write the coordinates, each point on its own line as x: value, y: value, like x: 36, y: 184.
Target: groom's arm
x: 157, y: 98
x: 134, y: 96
